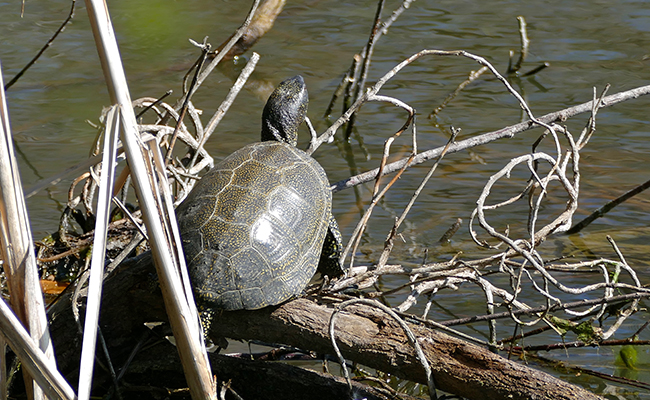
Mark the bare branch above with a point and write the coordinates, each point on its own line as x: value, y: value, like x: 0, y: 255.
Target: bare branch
x: 507, y: 132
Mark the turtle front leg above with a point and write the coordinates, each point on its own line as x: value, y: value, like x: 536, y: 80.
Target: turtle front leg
x: 206, y: 316
x: 329, y: 263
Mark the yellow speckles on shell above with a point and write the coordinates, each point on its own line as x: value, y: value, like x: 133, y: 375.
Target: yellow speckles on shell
x: 258, y: 243
x: 256, y: 176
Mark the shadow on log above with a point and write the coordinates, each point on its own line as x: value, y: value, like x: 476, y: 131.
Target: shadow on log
x: 257, y: 379
x: 365, y: 335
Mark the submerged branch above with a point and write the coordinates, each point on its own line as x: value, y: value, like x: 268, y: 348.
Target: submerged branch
x: 608, y: 207
x: 45, y: 47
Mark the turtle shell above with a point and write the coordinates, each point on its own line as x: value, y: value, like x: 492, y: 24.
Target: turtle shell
x: 253, y: 227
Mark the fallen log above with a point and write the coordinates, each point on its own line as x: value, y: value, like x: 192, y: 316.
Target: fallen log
x: 365, y: 335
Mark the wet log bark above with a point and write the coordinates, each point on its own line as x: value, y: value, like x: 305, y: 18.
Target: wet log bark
x: 365, y: 335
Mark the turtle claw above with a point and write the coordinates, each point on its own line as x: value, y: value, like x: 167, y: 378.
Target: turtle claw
x: 207, y: 316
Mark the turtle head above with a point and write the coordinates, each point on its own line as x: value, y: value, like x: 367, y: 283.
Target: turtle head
x: 285, y: 111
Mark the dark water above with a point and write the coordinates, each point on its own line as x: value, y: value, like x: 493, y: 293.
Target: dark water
x: 588, y: 44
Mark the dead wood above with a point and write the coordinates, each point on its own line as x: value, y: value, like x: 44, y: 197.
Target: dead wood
x: 260, y: 24
x: 366, y: 336
x: 507, y: 132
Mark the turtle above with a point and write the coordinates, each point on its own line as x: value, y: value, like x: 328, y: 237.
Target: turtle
x: 259, y: 224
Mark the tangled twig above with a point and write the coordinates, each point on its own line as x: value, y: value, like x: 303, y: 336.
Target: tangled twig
x: 409, y: 334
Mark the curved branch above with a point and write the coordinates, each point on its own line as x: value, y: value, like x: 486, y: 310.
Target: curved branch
x: 507, y: 132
